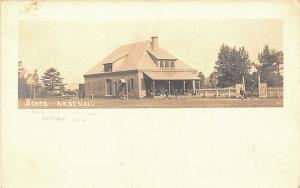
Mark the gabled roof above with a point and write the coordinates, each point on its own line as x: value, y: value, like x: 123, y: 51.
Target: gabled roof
x: 126, y: 57
x: 161, y: 53
x: 135, y: 56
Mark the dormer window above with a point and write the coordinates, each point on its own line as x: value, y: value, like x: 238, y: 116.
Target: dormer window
x: 108, y: 67
x: 166, y: 63
x: 161, y: 64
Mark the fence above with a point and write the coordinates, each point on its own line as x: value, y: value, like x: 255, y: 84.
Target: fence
x: 275, y: 92
x: 217, y: 93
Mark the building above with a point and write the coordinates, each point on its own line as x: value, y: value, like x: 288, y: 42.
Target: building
x: 81, y: 91
x: 138, y: 70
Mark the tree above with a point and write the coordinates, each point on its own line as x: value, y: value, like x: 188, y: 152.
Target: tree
x: 52, y: 82
x: 21, y: 70
x: 23, y: 88
x: 202, y: 79
x: 232, y: 66
x: 270, y: 66
x: 212, y: 80
x: 251, y: 81
x: 33, y: 82
x: 36, y: 83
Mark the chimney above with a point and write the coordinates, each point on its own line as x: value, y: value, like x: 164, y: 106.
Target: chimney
x: 154, y: 43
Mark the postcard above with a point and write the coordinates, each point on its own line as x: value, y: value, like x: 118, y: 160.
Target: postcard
x: 150, y: 94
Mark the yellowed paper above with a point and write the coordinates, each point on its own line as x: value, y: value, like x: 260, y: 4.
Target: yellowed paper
x: 146, y: 147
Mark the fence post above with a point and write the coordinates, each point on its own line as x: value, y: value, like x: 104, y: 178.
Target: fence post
x: 229, y: 94
x: 217, y: 93
x: 205, y: 94
x: 278, y: 93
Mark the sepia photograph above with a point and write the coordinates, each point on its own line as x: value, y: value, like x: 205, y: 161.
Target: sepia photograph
x: 159, y: 64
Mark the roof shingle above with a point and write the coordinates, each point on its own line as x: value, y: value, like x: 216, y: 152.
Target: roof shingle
x: 135, y: 56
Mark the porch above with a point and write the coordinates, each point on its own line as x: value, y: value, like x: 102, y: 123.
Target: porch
x: 171, y: 83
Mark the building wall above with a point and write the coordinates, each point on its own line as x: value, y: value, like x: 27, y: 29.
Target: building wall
x: 96, y: 84
x: 81, y: 91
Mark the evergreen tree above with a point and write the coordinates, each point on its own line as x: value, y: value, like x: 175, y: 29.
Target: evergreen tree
x: 270, y: 66
x: 21, y: 70
x: 52, y: 82
x: 23, y: 88
x: 212, y: 80
x: 232, y: 66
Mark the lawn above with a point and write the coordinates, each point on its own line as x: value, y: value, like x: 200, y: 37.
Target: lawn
x: 150, y: 103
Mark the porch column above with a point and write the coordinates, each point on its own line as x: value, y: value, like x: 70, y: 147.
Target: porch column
x: 127, y: 89
x: 169, y: 83
x: 153, y: 87
x: 194, y: 87
x: 184, y: 86
x: 199, y: 87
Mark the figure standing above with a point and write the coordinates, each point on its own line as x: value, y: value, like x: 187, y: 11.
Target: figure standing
x: 167, y: 93
x: 242, y: 93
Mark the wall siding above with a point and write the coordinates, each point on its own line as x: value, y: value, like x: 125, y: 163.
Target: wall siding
x: 99, y: 89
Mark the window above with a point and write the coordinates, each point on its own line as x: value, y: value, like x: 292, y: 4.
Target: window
x: 108, y: 87
x: 161, y: 64
x: 167, y: 64
x: 130, y: 84
x: 108, y: 67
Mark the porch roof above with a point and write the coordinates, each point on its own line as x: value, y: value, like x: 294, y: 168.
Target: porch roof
x: 172, y: 75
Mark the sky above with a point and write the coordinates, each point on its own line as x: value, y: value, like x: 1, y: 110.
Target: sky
x: 75, y: 47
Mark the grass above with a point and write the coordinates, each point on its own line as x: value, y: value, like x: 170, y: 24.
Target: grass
x: 149, y: 103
